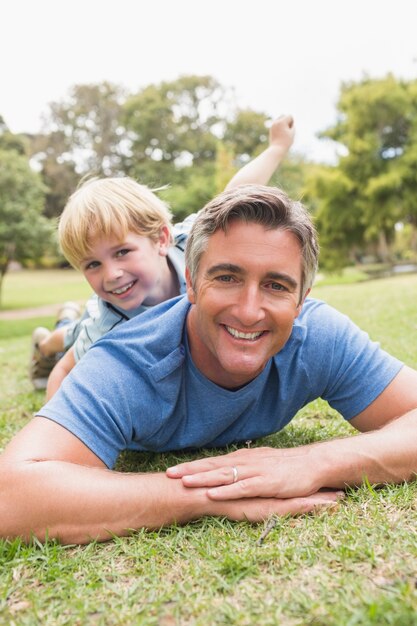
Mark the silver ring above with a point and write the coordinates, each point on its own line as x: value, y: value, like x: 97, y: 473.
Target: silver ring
x: 234, y: 470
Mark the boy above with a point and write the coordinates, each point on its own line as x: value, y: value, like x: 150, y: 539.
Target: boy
x: 118, y: 233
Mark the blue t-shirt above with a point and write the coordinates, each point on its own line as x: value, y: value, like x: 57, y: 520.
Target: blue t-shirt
x: 138, y: 388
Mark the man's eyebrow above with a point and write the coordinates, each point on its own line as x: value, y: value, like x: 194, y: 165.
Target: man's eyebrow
x: 224, y: 267
x: 236, y: 269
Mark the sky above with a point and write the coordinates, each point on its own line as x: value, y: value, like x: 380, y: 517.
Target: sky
x: 279, y: 57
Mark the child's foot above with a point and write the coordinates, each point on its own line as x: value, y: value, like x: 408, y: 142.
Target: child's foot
x: 68, y: 312
x: 40, y: 366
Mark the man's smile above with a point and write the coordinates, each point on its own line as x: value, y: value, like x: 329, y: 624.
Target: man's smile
x: 238, y: 334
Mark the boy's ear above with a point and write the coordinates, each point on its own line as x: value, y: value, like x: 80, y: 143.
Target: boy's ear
x: 190, y: 290
x: 164, y: 240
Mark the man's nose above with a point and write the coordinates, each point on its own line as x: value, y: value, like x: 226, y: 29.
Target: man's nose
x: 249, y: 307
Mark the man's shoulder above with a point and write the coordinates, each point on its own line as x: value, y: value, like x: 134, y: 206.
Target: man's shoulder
x: 318, y: 327
x: 315, y: 310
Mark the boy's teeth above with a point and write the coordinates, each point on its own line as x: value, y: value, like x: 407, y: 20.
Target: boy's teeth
x: 239, y: 335
x: 122, y: 289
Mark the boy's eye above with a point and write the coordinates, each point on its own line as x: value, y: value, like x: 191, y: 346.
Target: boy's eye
x: 122, y: 252
x: 91, y: 265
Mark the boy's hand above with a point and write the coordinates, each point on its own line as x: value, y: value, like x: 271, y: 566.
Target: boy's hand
x: 282, y: 132
x: 259, y: 170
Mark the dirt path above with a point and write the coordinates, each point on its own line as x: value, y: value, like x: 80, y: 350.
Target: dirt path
x: 39, y: 311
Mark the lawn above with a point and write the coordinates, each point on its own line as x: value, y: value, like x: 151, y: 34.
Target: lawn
x: 354, y: 564
x: 31, y: 288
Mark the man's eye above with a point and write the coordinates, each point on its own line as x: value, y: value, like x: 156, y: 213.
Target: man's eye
x: 277, y: 287
x: 224, y: 279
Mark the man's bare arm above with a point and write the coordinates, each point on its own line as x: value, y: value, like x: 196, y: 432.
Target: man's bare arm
x: 385, y: 452
x: 52, y: 485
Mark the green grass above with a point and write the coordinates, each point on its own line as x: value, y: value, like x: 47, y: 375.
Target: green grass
x: 351, y: 565
x: 32, y: 288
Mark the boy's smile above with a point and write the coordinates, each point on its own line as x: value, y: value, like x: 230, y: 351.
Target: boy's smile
x: 246, y: 297
x: 130, y: 272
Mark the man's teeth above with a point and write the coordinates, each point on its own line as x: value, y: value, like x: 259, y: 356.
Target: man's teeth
x: 239, y: 335
x: 123, y: 289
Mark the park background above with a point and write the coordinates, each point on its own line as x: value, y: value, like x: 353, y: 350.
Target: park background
x: 179, y: 95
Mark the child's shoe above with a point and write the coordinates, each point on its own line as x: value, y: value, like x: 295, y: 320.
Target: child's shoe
x: 40, y: 366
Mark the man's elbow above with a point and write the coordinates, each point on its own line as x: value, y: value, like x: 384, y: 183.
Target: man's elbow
x: 14, y: 513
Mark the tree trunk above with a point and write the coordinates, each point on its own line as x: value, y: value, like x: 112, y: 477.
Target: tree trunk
x: 383, y: 248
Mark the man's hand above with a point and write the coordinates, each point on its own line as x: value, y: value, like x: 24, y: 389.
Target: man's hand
x: 253, y: 473
x: 259, y: 509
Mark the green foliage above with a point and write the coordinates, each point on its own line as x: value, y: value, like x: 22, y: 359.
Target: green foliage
x: 81, y: 135
x: 25, y: 234
x: 246, y: 133
x: 189, y: 197
x: 186, y: 133
x: 10, y: 141
x: 171, y: 124
x: 374, y: 185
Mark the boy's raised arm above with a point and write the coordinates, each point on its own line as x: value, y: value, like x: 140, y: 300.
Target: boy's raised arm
x: 259, y: 170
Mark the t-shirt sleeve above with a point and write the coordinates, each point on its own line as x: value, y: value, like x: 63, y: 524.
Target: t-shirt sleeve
x: 99, y: 322
x: 71, y: 332
x: 88, y: 333
x: 94, y: 406
x: 351, y: 369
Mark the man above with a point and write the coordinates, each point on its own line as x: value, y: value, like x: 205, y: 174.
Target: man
x: 234, y: 361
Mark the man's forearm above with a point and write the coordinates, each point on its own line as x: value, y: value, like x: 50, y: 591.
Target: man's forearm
x: 388, y: 455
x: 77, y: 504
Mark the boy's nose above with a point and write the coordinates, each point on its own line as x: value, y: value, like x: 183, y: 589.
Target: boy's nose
x: 113, y: 273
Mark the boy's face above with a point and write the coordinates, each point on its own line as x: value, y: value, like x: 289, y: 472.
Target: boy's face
x: 128, y: 273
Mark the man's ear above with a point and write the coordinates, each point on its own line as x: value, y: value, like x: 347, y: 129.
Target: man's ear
x: 164, y: 241
x: 300, y: 306
x: 190, y: 290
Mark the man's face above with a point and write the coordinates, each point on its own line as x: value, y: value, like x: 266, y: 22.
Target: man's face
x: 246, y: 298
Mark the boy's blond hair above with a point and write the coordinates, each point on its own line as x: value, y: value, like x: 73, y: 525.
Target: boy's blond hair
x: 109, y: 207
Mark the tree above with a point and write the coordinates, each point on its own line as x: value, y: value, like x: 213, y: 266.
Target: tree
x: 374, y: 183
x: 186, y: 133
x: 246, y: 134
x: 171, y: 126
x: 81, y: 135
x: 24, y: 233
x: 10, y: 141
